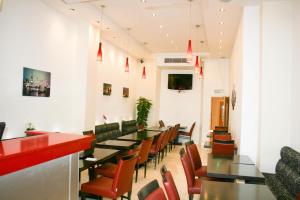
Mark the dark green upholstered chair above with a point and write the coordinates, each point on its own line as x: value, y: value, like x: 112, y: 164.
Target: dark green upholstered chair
x: 129, y: 127
x: 285, y: 184
x: 107, y: 131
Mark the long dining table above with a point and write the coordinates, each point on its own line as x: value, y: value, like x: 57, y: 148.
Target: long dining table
x: 139, y: 135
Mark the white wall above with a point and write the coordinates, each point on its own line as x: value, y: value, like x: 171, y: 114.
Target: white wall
x: 183, y: 107
x: 34, y: 35
x: 276, y: 74
x: 295, y: 130
x: 216, y: 77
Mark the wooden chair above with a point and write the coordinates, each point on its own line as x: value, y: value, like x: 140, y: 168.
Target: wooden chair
x: 194, y: 185
x: 155, y: 148
x: 193, y: 153
x: 151, y: 191
x: 114, y: 187
x: 161, y: 123
x: 223, y: 148
x: 169, y: 184
x: 188, y: 134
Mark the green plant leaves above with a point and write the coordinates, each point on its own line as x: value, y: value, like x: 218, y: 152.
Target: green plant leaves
x: 143, y: 108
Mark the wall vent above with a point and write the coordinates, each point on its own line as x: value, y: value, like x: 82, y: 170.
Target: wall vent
x: 175, y: 60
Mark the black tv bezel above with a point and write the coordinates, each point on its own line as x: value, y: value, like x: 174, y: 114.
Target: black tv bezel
x: 191, y: 75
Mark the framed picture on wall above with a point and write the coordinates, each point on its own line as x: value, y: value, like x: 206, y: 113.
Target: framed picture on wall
x: 106, y: 89
x: 36, y: 83
x: 125, y: 92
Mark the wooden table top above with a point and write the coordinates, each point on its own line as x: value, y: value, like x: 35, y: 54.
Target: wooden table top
x: 212, y: 190
x: 101, y: 155
x: 139, y: 136
x: 116, y: 144
x: 233, y: 168
x: 157, y: 128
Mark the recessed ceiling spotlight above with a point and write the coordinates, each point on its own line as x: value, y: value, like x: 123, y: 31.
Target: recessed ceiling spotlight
x: 144, y: 1
x: 225, y: 1
x: 221, y: 33
x: 153, y: 14
x: 72, y: 9
x: 172, y: 42
x: 221, y: 23
x: 107, y: 28
x: 167, y: 34
x: 98, y: 22
x: 160, y: 26
x: 221, y: 9
x: 221, y: 41
x: 220, y: 47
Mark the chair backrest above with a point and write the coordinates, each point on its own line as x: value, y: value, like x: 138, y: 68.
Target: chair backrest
x: 151, y: 191
x: 107, y: 131
x: 188, y: 169
x: 192, y: 129
x: 224, y: 137
x: 129, y: 127
x: 159, y: 141
x: 144, y: 150
x: 194, y: 155
x: 122, y: 182
x: 166, y: 139
x: 161, y: 123
x: 222, y: 148
x: 221, y: 128
x: 2, y: 127
x: 169, y: 184
x: 172, y: 133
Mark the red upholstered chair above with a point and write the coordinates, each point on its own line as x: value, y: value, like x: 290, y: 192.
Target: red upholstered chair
x: 193, y: 153
x: 155, y: 148
x: 223, y: 148
x: 173, y: 135
x: 113, y: 187
x: 188, y: 134
x: 109, y: 169
x: 298, y: 196
x: 194, y: 185
x: 224, y: 137
x: 169, y: 184
x: 151, y: 191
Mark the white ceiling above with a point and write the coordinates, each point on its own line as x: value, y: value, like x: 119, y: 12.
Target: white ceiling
x: 168, y: 31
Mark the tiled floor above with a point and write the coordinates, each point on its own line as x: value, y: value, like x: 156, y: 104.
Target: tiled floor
x: 173, y: 163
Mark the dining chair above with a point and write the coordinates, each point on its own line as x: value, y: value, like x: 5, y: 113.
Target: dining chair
x: 188, y: 134
x: 164, y: 145
x: 193, y: 184
x: 155, y: 148
x: 223, y: 148
x: 169, y: 184
x: 2, y: 127
x: 193, y: 153
x: 114, y: 187
x: 224, y: 137
x: 161, y: 124
x: 151, y: 191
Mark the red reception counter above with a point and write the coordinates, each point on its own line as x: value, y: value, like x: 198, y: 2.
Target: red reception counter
x: 41, y: 157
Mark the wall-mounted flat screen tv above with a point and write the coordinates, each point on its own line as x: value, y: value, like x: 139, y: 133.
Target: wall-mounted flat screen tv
x: 180, y: 81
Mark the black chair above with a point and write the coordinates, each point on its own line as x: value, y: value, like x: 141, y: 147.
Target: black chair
x: 2, y: 127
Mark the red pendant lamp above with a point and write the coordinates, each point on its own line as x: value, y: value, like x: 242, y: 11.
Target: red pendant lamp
x: 197, y: 67
x: 189, y: 55
x: 144, y: 73
x: 127, y: 65
x: 99, y: 54
x: 201, y: 75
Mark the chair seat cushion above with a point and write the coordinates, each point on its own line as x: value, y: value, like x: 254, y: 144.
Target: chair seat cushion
x: 107, y: 170
x: 277, y: 188
x: 99, y: 187
x: 196, y: 188
x: 153, y: 150
x: 201, y: 172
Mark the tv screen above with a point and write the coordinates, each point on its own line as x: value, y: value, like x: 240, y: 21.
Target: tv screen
x: 180, y: 81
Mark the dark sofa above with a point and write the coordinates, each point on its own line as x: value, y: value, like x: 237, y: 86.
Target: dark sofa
x: 285, y: 184
x: 129, y: 127
x: 107, y: 131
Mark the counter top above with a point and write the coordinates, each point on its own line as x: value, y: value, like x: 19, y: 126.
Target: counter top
x: 40, y: 147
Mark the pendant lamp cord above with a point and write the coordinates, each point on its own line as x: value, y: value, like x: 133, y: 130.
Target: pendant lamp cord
x: 190, y: 18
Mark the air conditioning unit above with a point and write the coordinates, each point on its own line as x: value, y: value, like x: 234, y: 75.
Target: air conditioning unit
x: 77, y: 1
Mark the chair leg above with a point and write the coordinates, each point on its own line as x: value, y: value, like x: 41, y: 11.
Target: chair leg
x: 82, y: 196
x: 191, y: 196
x: 129, y: 195
x: 155, y: 161
x: 145, y: 171
x: 136, y: 171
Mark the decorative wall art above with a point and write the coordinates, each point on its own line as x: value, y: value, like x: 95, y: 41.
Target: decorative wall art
x: 36, y: 83
x: 233, y: 98
x: 125, y: 92
x: 106, y: 89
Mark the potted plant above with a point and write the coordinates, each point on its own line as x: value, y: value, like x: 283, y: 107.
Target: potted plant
x: 143, y: 106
